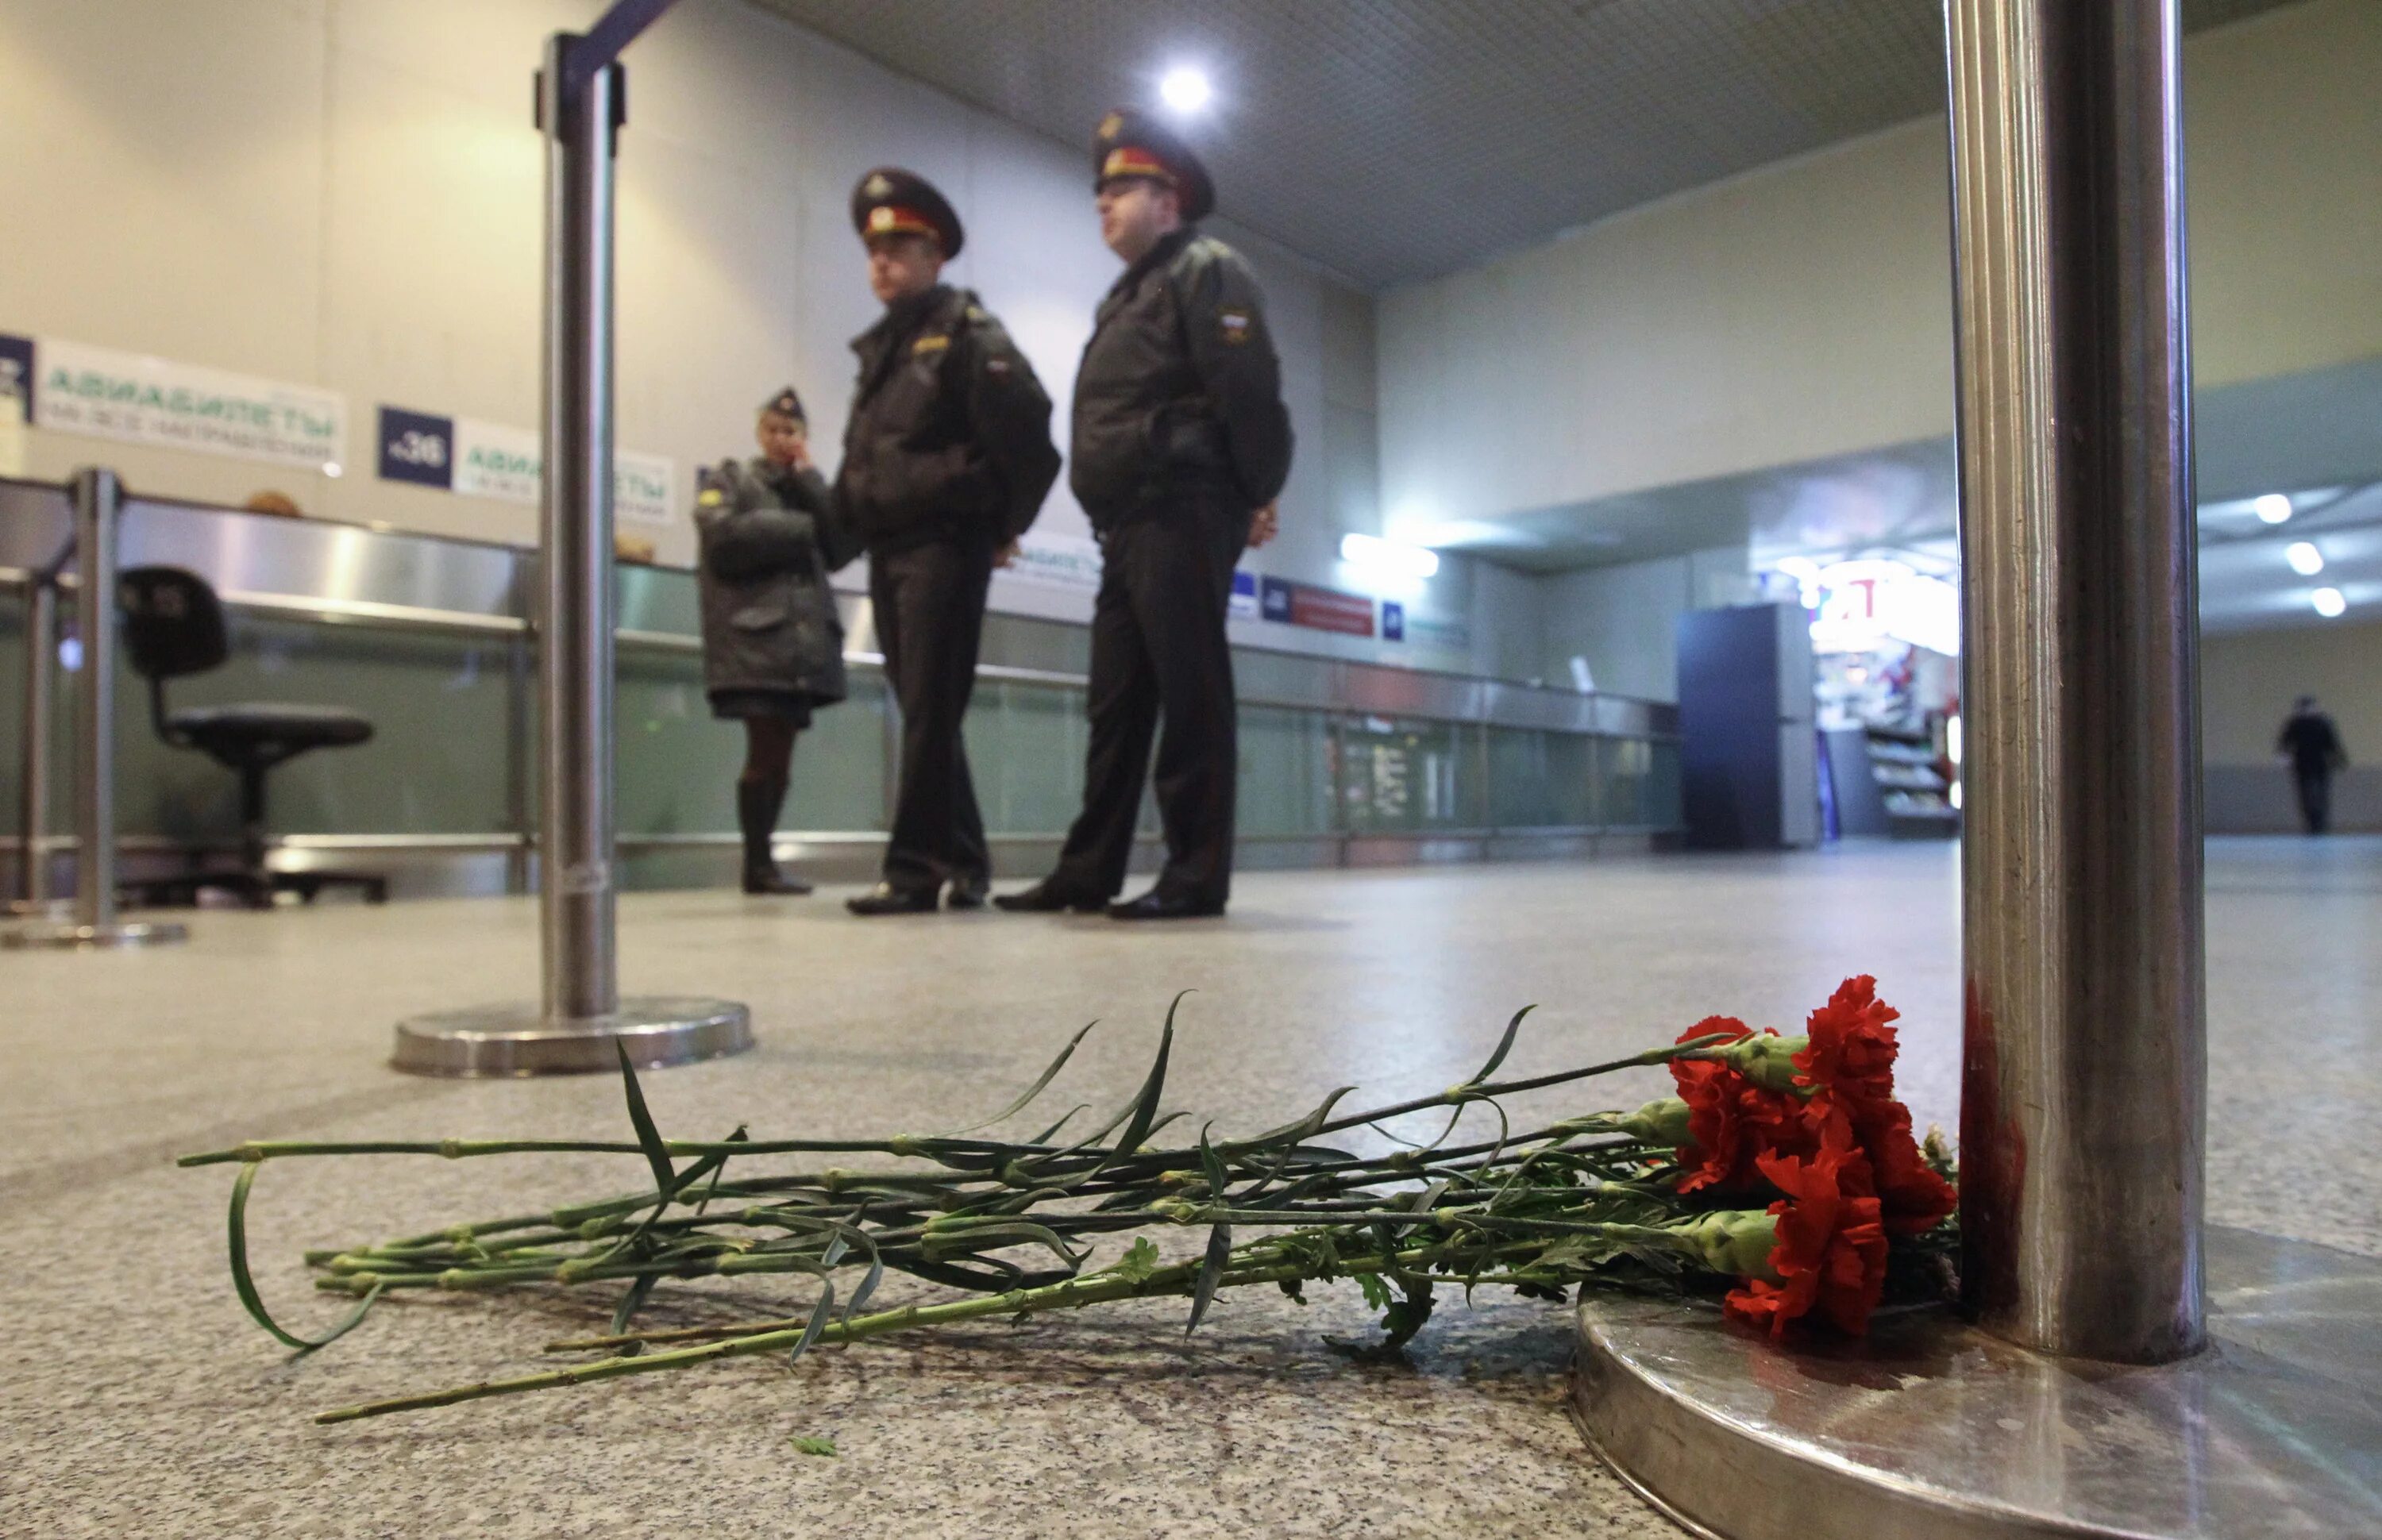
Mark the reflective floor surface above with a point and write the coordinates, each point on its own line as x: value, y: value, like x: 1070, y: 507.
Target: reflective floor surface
x: 143, y: 1402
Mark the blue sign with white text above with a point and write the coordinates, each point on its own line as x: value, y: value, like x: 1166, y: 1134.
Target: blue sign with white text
x: 1274, y: 600
x: 1243, y: 602
x: 16, y: 368
x: 1393, y: 621
x: 418, y: 447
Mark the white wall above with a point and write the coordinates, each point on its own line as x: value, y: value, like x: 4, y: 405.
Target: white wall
x: 1624, y: 619
x: 346, y: 193
x: 1804, y: 311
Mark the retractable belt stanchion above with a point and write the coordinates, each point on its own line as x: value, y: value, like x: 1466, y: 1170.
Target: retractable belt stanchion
x: 579, y: 1019
x: 2076, y: 1397
x: 98, y: 498
x: 34, y: 747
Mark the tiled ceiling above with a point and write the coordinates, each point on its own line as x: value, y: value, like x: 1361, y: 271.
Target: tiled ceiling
x: 1398, y: 139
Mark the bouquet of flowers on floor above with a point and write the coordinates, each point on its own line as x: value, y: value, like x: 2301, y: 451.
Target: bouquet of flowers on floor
x: 1784, y: 1177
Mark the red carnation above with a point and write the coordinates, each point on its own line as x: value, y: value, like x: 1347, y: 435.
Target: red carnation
x: 1850, y: 1067
x: 1831, y: 1251
x: 1852, y: 1048
x: 1732, y: 1121
x: 1717, y: 1150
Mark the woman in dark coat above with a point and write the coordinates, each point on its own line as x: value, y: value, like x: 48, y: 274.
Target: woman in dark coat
x: 772, y: 644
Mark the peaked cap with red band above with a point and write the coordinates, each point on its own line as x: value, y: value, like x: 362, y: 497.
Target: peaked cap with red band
x: 891, y: 202
x: 1133, y: 144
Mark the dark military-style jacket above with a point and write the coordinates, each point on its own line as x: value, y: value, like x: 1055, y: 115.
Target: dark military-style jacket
x: 950, y: 432
x: 1178, y: 387
x: 768, y: 537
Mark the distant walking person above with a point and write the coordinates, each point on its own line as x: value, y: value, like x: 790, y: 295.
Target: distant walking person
x: 772, y: 646
x: 1182, y: 444
x: 947, y: 457
x: 2314, y: 745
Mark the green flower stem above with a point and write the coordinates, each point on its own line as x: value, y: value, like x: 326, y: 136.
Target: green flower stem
x: 1073, y: 1294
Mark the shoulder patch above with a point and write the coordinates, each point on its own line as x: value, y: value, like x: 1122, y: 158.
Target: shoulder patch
x: 977, y: 312
x: 1234, y: 324
x: 930, y: 344
x: 710, y: 497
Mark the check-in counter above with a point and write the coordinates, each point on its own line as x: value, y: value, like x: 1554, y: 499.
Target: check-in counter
x: 431, y: 637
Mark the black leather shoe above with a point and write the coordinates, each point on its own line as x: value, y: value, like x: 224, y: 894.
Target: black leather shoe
x: 886, y: 899
x: 765, y: 878
x: 1157, y: 905
x: 968, y: 892
x: 1043, y: 898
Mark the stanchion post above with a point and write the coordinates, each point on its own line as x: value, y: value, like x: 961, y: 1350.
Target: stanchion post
x: 2083, y: 1101
x: 574, y: 630
x: 2083, y: 1092
x: 98, y: 501
x: 33, y: 776
x: 580, y: 1021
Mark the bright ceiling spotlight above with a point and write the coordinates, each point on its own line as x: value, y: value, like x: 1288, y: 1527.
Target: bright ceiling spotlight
x: 2328, y: 603
x: 1374, y: 553
x: 2273, y: 509
x: 2306, y: 559
x: 1184, y: 88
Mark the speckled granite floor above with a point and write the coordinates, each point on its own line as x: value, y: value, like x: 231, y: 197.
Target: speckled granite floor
x: 143, y: 1403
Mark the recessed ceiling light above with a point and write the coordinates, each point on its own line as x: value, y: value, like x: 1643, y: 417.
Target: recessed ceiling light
x: 2328, y: 603
x: 2306, y: 559
x: 2273, y: 509
x: 1184, y: 88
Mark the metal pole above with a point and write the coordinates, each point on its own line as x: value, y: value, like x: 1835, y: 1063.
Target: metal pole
x: 2084, y: 1086
x: 33, y: 812
x: 581, y: 1022
x: 98, y: 498
x: 2083, y: 1090
x: 575, y: 522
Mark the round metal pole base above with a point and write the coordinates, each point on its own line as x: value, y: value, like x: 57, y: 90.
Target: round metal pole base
x: 1933, y: 1427
x: 512, y: 1040
x: 68, y: 934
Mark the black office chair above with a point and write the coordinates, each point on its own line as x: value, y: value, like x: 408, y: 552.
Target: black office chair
x: 174, y: 626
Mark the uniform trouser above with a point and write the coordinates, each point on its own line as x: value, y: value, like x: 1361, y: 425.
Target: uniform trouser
x: 2315, y: 799
x: 930, y: 608
x: 1158, y: 645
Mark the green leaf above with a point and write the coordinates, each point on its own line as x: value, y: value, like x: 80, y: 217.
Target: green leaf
x: 1048, y: 1134
x: 1033, y: 1090
x: 648, y: 1136
x: 821, y: 1446
x: 1144, y: 1106
x: 1211, y: 1269
x: 631, y: 1300
x: 1376, y: 1293
x: 1504, y: 1047
x: 245, y: 1285
x: 1220, y: 1239
x: 1139, y: 1261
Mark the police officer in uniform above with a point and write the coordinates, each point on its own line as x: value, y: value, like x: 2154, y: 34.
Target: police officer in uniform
x: 947, y: 457
x: 1182, y: 444
x: 772, y: 645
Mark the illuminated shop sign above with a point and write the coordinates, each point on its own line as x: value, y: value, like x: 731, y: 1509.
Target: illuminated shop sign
x: 1864, y: 603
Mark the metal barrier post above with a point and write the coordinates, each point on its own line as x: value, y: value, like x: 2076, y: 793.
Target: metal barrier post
x: 33, y: 778
x: 581, y: 1015
x: 98, y: 498
x: 2082, y: 1101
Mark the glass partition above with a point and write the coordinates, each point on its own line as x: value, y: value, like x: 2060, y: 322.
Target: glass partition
x: 1286, y: 772
x: 1410, y: 776
x: 439, y: 761
x: 454, y: 717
